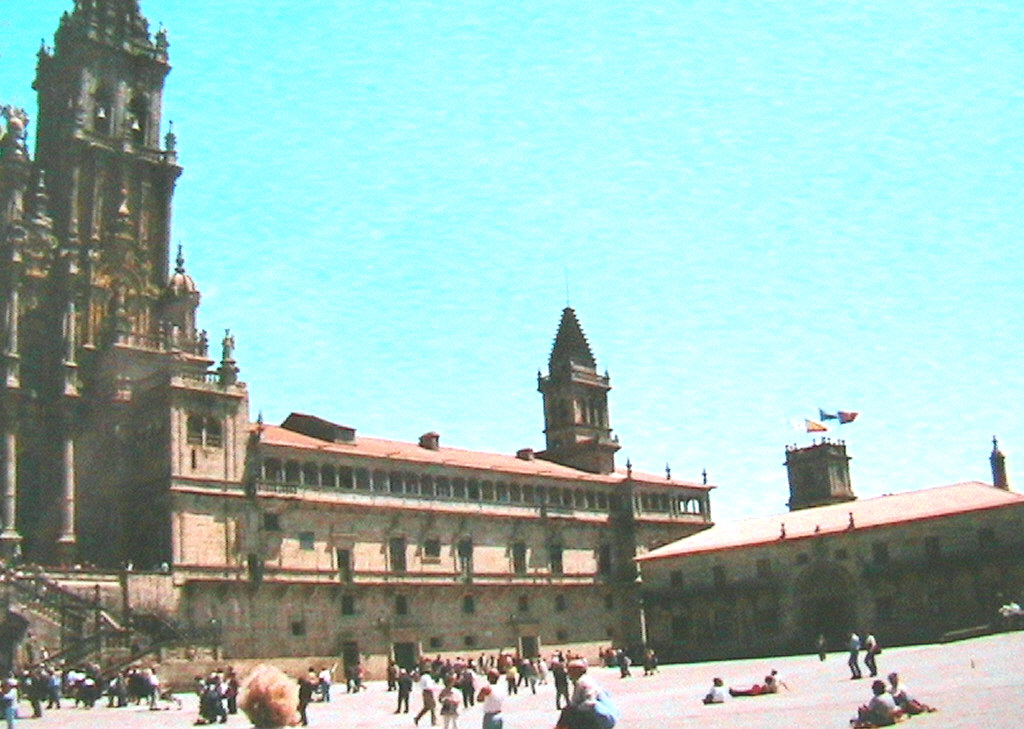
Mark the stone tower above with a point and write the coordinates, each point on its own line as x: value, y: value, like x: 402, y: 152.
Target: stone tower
x: 576, y: 423
x: 108, y: 394
x: 818, y: 475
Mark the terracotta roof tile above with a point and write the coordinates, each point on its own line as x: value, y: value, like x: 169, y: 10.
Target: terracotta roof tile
x: 881, y: 511
x: 274, y: 435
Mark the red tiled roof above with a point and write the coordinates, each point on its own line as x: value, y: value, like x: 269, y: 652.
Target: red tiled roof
x: 274, y: 435
x: 881, y: 511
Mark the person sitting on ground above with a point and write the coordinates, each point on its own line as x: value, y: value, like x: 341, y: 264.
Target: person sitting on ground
x: 881, y: 710
x: 717, y: 694
x: 770, y: 686
x: 269, y: 698
x: 907, y: 703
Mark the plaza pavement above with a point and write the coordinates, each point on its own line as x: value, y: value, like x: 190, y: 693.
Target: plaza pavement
x: 976, y: 683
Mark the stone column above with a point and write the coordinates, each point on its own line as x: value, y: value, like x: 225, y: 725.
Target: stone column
x: 66, y: 541
x: 10, y: 539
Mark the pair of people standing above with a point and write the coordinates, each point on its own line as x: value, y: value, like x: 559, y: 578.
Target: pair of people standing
x: 871, y: 650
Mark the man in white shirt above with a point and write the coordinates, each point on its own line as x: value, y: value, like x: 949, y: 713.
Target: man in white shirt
x: 493, y: 698
x: 429, y: 689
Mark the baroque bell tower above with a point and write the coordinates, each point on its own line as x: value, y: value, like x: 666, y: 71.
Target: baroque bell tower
x: 576, y: 423
x: 110, y: 183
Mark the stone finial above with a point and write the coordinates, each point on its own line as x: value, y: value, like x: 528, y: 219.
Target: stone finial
x: 782, y: 531
x: 668, y: 472
x: 629, y: 468
x: 170, y: 139
x: 179, y: 262
x: 704, y: 477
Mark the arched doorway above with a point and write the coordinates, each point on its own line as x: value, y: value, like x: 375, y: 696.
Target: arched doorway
x: 826, y: 604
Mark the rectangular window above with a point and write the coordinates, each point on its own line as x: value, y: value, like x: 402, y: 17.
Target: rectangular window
x: 559, y: 603
x: 362, y: 479
x: 519, y: 558
x: 555, y: 559
x: 465, y: 552
x: 344, y: 557
x: 271, y: 522
x: 604, y: 560
x: 401, y: 605
x: 396, y: 553
x: 609, y: 602
x: 987, y: 538
x: 524, y: 604
x: 307, y: 541
x: 348, y: 605
x: 432, y: 550
x: 298, y: 627
x: 468, y: 604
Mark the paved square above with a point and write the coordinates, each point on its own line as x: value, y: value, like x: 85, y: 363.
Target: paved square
x: 973, y: 683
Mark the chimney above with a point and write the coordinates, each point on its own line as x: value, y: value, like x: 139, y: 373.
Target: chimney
x: 431, y: 441
x: 525, y: 454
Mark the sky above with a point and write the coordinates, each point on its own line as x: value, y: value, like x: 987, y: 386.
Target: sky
x: 757, y: 210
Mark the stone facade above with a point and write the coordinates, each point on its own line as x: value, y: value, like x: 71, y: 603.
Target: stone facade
x: 907, y: 567
x: 128, y: 447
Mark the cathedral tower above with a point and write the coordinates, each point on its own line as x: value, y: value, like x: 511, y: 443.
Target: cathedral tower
x: 576, y: 423
x: 110, y: 182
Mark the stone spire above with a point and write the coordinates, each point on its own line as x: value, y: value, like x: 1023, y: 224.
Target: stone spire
x: 998, y: 461
x: 113, y: 21
x: 571, y: 344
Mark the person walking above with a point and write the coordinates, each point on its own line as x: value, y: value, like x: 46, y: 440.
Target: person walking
x: 307, y: 686
x: 492, y: 696
x: 404, y: 686
x: 449, y: 699
x: 428, y: 687
x: 854, y: 661
x: 871, y: 650
x: 561, y: 679
x: 9, y: 701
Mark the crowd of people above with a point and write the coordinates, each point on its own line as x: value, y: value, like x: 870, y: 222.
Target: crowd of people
x: 445, y: 688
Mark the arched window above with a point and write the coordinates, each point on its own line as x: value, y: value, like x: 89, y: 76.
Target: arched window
x: 272, y: 471
x: 213, y: 437
x: 195, y: 430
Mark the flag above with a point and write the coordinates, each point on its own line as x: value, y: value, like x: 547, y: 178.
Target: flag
x: 847, y: 417
x: 813, y: 426
x: 822, y: 415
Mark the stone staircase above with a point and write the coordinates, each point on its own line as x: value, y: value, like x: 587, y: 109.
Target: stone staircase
x: 38, y: 611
